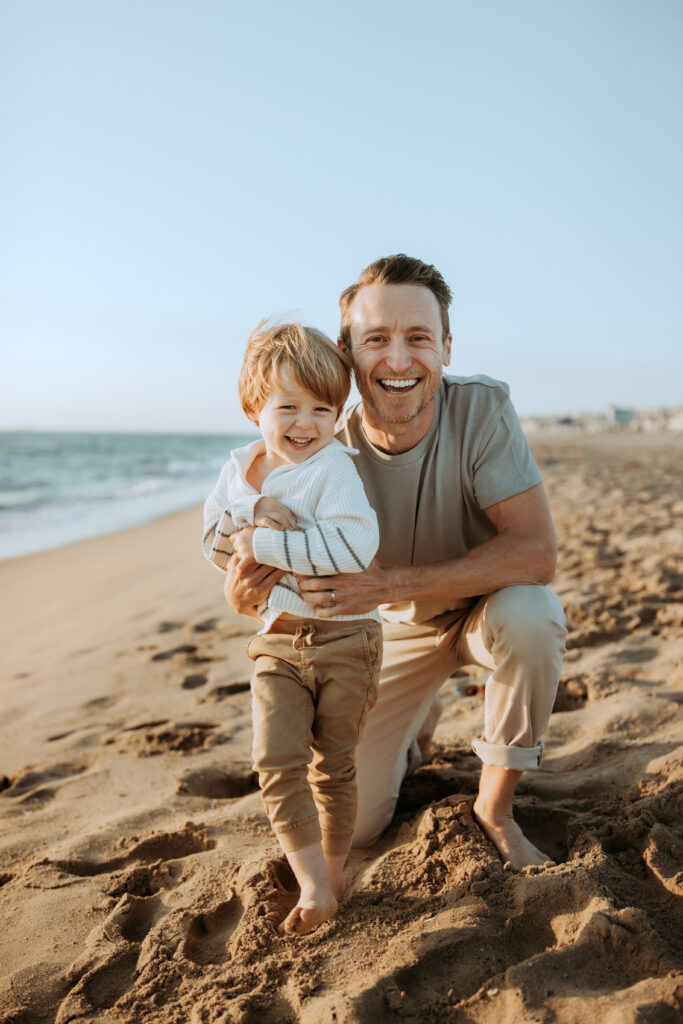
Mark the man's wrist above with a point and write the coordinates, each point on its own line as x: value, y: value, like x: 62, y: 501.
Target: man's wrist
x: 400, y: 583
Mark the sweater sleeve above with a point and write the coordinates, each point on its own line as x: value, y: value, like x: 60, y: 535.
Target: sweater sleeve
x: 344, y: 538
x: 218, y: 523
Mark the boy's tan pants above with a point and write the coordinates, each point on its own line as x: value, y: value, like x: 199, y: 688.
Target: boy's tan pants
x: 519, y: 633
x: 313, y: 685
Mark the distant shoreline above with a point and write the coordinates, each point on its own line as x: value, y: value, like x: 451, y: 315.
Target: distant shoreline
x: 619, y: 440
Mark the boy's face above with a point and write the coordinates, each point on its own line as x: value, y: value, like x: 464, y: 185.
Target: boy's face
x: 294, y: 423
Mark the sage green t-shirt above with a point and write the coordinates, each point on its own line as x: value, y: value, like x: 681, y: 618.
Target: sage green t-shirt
x: 430, y: 500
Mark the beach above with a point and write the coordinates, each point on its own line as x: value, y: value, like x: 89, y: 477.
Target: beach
x: 139, y: 879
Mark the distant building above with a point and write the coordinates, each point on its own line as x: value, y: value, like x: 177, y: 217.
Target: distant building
x: 621, y: 417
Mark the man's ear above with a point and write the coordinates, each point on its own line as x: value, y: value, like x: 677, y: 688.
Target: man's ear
x: 344, y: 347
x: 447, y: 342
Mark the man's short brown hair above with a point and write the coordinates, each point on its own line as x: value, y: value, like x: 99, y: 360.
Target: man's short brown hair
x: 399, y: 269
x: 313, y: 360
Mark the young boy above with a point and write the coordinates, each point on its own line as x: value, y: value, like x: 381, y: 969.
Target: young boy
x: 300, y: 506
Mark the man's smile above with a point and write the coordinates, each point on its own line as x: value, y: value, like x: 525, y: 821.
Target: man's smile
x: 396, y: 386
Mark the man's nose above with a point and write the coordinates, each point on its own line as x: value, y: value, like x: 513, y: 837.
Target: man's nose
x: 399, y: 357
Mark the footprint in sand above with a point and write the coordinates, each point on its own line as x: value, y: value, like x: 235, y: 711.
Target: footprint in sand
x: 100, y: 702
x: 163, y: 846
x: 107, y: 969
x: 151, y: 738
x: 173, y: 651
x: 134, y: 916
x: 145, y: 879
x: 218, y: 784
x: 206, y: 626
x: 32, y: 789
x: 153, y: 724
x: 572, y: 694
x: 634, y: 655
x: 181, y: 737
x: 208, y: 934
x: 221, y: 692
x: 101, y: 987
x: 191, y: 682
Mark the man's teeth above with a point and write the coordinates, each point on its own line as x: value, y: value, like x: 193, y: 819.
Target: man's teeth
x: 399, y: 383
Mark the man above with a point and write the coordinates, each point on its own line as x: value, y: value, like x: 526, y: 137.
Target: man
x: 467, y: 550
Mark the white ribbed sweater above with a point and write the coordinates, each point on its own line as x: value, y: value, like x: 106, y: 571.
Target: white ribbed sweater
x: 337, y: 527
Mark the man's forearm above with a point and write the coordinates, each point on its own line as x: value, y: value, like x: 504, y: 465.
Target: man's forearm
x: 503, y: 561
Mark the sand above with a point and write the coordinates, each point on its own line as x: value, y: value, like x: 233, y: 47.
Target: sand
x: 139, y: 881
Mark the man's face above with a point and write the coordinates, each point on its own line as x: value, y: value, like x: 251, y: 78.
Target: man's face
x: 398, y: 352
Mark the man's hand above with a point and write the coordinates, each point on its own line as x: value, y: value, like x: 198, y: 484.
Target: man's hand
x: 354, y: 593
x: 248, y: 585
x: 243, y: 544
x: 272, y: 514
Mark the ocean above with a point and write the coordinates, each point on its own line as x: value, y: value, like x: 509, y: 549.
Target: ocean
x: 56, y: 488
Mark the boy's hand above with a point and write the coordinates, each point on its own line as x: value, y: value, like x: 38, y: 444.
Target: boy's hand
x: 243, y: 544
x: 272, y: 514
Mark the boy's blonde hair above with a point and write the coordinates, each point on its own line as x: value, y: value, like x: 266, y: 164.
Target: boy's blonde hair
x: 313, y: 360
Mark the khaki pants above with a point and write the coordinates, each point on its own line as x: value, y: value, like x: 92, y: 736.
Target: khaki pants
x: 519, y: 633
x: 313, y: 685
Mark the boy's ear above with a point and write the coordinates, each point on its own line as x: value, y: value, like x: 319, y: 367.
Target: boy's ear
x: 344, y: 347
x: 253, y: 416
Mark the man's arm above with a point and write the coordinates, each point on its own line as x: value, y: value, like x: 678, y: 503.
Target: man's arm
x: 523, y: 551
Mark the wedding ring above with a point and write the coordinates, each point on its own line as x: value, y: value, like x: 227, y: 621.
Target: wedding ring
x: 332, y: 597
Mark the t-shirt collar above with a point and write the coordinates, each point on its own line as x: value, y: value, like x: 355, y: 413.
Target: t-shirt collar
x: 402, y: 458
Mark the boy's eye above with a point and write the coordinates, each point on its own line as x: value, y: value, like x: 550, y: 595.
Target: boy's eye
x: 323, y: 408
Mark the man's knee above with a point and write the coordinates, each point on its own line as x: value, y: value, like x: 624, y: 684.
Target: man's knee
x: 529, y: 619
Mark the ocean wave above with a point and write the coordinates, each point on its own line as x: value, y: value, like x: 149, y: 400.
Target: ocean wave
x: 182, y: 465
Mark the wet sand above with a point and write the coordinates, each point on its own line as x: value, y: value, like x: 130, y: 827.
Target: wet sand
x: 139, y: 881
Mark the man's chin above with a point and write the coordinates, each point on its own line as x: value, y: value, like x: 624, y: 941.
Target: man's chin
x: 392, y: 413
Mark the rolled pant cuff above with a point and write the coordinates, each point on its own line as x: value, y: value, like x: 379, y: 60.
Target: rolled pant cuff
x: 519, y: 759
x: 298, y: 834
x: 336, y: 845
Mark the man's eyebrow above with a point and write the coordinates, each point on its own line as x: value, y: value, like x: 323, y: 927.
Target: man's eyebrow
x: 383, y: 328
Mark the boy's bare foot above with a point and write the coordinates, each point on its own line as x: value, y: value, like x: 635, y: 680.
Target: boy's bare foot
x: 311, y: 910
x: 317, y: 902
x: 335, y: 873
x: 509, y: 840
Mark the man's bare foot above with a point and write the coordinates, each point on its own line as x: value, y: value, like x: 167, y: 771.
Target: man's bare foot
x: 508, y: 839
x: 312, y: 910
x: 426, y: 734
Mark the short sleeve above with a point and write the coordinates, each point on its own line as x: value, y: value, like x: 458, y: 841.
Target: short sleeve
x: 504, y: 465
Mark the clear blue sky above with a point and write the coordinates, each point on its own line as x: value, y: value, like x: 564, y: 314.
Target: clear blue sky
x: 172, y: 172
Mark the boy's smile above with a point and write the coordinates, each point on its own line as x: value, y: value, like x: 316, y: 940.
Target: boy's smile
x: 294, y: 423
